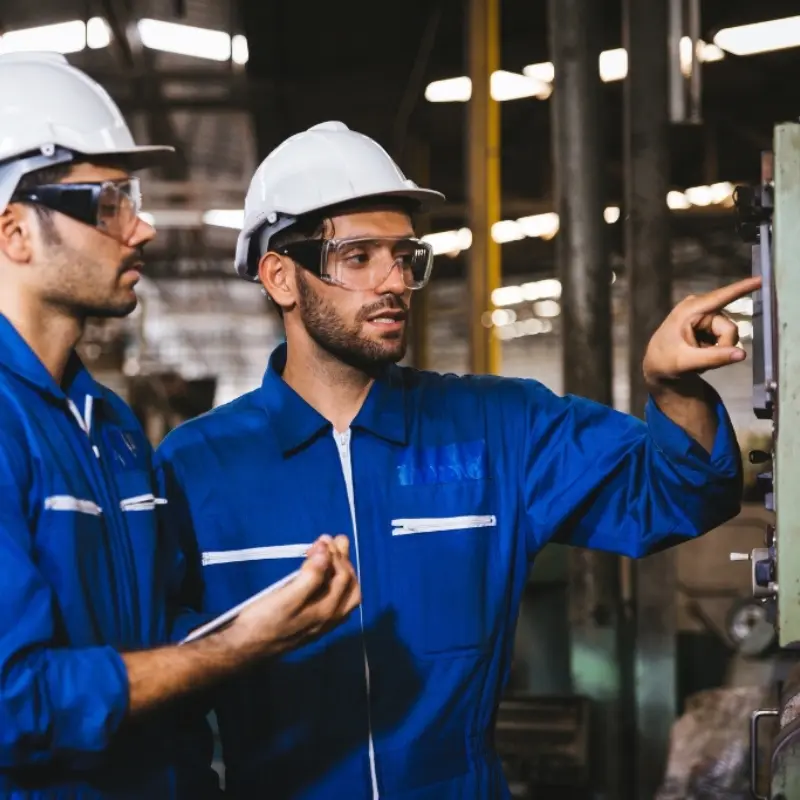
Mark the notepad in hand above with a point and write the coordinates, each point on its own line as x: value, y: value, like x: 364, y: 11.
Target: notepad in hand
x: 231, y: 614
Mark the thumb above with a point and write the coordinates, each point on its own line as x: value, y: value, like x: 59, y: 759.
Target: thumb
x: 312, y: 577
x: 714, y: 357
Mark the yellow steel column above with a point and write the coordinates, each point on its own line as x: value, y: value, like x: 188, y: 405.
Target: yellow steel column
x: 483, y: 186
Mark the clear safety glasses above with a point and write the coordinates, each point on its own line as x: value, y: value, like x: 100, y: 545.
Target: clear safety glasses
x: 363, y: 264
x: 112, y: 207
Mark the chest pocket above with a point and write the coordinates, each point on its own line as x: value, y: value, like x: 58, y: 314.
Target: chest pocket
x: 443, y: 540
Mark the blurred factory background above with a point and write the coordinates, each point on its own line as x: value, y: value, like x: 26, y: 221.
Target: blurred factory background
x: 580, y: 203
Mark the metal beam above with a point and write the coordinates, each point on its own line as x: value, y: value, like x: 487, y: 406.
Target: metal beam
x: 646, y: 160
x: 483, y: 171
x: 586, y: 312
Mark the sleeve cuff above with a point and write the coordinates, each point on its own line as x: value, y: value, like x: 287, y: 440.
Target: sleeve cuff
x: 681, y: 448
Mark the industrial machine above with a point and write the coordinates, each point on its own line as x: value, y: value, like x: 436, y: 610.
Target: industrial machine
x: 769, y: 218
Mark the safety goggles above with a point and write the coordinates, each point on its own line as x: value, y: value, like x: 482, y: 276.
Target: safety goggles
x: 363, y: 264
x: 112, y: 207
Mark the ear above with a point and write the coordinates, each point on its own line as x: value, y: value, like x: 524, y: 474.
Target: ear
x: 276, y: 274
x: 16, y: 234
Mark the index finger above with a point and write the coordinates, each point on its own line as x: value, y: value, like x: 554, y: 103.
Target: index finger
x: 725, y: 295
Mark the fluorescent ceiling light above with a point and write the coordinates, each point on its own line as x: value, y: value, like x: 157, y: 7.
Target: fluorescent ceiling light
x: 504, y: 86
x: 760, y: 37
x: 240, y: 53
x: 98, y: 33
x: 186, y: 40
x: 507, y: 231
x: 450, y: 242
x: 451, y: 90
x: 224, y: 218
x: 513, y: 86
x: 63, y: 37
x: 613, y: 64
x: 540, y: 226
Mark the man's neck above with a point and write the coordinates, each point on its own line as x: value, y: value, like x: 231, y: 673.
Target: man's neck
x: 50, y: 333
x: 336, y: 390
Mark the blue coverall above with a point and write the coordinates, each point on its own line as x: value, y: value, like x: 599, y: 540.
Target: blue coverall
x: 82, y: 581
x: 447, y: 487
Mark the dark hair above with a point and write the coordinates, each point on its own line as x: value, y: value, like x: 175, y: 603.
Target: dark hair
x: 310, y: 226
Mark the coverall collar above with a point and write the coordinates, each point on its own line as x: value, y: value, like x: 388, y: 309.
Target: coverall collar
x: 17, y: 356
x: 295, y: 422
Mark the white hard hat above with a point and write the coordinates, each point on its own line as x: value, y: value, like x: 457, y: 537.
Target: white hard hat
x: 322, y: 167
x: 50, y: 112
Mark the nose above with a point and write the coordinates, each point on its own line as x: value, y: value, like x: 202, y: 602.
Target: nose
x: 393, y: 283
x: 143, y: 233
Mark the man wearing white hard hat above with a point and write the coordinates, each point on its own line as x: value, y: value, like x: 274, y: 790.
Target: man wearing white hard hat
x: 93, y: 701
x: 446, y: 486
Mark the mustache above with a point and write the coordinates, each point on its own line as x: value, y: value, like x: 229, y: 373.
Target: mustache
x: 392, y: 302
x: 134, y: 260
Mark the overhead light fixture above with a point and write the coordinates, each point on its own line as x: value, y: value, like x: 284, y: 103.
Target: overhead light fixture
x: 540, y: 226
x: 240, y: 53
x: 187, y: 40
x: 62, y: 37
x: 760, y: 37
x: 513, y: 86
x: 224, y: 218
x: 503, y: 86
x: 451, y: 90
x: 507, y: 231
x: 613, y: 65
x: 98, y: 33
x: 450, y: 242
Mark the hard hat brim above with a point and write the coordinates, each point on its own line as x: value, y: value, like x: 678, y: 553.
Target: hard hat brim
x: 137, y: 158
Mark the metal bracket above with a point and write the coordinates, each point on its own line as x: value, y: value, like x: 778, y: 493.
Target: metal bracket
x: 755, y: 718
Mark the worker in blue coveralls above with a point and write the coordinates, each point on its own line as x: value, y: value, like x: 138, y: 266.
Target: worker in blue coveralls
x: 85, y: 677
x: 446, y: 486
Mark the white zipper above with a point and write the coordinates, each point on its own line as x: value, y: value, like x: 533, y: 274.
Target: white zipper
x: 85, y: 423
x: 343, y: 443
x: 64, y: 502
x: 255, y: 554
x: 144, y: 502
x: 403, y: 527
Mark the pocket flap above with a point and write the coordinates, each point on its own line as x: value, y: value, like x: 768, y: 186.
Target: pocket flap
x: 256, y: 554
x: 403, y: 527
x: 63, y: 502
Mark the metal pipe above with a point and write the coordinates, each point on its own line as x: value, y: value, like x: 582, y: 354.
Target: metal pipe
x: 586, y: 333
x: 578, y: 158
x: 483, y: 188
x: 649, y: 36
x: 696, y: 76
x: 677, y: 87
